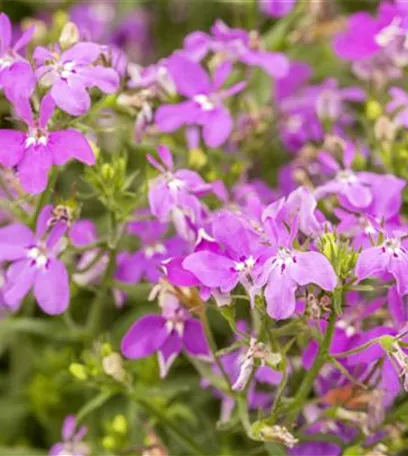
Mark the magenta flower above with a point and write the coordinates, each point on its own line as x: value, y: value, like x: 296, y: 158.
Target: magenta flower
x: 71, y: 440
x: 167, y: 334
x: 34, y: 264
x: 146, y: 262
x: 287, y: 269
x: 389, y: 257
x: 71, y: 73
x: 399, y: 105
x: 16, y: 76
x: 174, y: 195
x: 33, y: 153
x: 360, y: 190
x: 232, y: 259
x: 236, y: 45
x: 205, y: 100
x: 277, y: 8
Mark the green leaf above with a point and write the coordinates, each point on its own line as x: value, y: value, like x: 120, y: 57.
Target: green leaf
x: 94, y: 404
x: 275, y: 449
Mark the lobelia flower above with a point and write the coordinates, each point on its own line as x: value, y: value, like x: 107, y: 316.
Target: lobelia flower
x: 236, y: 45
x: 277, y: 8
x: 234, y: 255
x: 399, y: 105
x: 146, y: 262
x: 72, y: 437
x: 360, y: 190
x: 303, y: 107
x: 167, y: 334
x: 389, y: 257
x: 205, y: 100
x: 174, y: 195
x: 35, y: 264
x: 237, y: 364
x: 286, y: 269
x: 71, y: 73
x: 32, y: 154
x: 16, y: 75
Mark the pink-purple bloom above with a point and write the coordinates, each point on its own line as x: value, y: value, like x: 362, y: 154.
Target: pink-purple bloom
x: 70, y: 74
x: 34, y: 264
x: 33, y: 153
x: 205, y: 100
x: 167, y: 334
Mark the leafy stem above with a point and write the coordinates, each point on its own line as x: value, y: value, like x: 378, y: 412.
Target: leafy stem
x: 322, y: 356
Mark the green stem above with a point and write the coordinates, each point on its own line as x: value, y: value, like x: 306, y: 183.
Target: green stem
x: 183, y: 437
x: 308, y: 381
x: 96, y: 313
x: 45, y: 196
x: 213, y: 347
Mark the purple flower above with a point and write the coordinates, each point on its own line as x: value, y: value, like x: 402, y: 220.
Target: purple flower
x: 146, y: 262
x: 71, y: 440
x: 16, y: 75
x: 236, y: 45
x: 71, y: 73
x: 167, y: 334
x: 277, y: 8
x: 174, y: 195
x: 389, y: 257
x: 360, y: 190
x: 33, y: 153
x: 399, y: 105
x: 231, y: 261
x: 205, y: 100
x: 34, y: 264
x: 286, y: 269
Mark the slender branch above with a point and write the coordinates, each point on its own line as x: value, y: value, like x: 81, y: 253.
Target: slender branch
x: 45, y: 196
x: 213, y: 347
x: 308, y: 381
x: 184, y: 438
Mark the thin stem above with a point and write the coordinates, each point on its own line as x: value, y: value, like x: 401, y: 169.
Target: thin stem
x: 45, y: 196
x: 184, y: 438
x: 96, y: 313
x: 213, y: 347
x: 308, y: 381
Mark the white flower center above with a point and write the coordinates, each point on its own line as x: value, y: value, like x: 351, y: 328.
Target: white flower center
x: 284, y: 258
x: 151, y: 250
x: 347, y: 177
x: 246, y: 265
x: 205, y: 103
x: 393, y: 246
x: 176, y: 184
x: 385, y: 36
x: 176, y: 324
x: 294, y: 123
x: 38, y: 257
x: 36, y: 137
x: 5, y: 62
x: 66, y: 69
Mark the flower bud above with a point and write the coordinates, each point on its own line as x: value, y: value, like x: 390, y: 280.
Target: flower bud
x: 78, y: 371
x: 107, y: 171
x: 263, y: 432
x: 120, y: 424
x: 373, y: 110
x: 69, y: 35
x: 113, y: 366
x: 385, y: 129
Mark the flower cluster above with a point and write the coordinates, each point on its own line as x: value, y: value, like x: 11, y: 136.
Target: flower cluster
x: 257, y: 194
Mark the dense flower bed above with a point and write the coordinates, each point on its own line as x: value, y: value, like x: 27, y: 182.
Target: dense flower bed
x: 203, y: 236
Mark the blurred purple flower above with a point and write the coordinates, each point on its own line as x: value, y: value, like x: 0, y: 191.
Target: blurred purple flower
x: 204, y: 106
x: 71, y: 73
x: 34, y: 264
x: 33, y: 153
